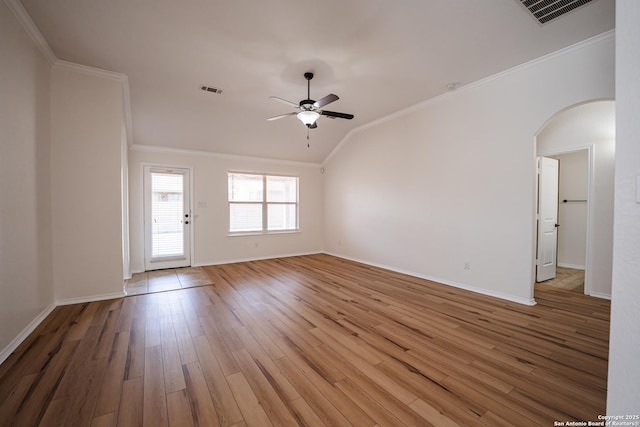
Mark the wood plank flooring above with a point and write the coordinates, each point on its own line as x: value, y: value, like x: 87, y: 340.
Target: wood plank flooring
x: 311, y: 341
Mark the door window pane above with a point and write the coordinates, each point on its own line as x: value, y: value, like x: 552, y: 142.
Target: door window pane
x: 167, y: 210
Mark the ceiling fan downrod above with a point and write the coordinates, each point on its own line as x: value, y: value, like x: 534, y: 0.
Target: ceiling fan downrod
x: 308, y: 75
x: 307, y: 104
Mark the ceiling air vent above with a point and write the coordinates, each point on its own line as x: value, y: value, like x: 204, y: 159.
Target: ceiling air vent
x: 546, y: 10
x: 210, y: 89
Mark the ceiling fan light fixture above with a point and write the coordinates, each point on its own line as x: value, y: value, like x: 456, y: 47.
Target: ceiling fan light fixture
x: 308, y: 117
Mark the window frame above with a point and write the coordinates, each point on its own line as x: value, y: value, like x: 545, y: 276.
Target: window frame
x: 264, y: 204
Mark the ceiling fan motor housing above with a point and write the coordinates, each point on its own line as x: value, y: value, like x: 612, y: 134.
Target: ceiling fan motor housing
x: 307, y: 104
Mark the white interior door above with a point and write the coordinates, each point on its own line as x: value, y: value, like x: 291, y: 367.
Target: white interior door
x: 167, y: 218
x: 547, y: 218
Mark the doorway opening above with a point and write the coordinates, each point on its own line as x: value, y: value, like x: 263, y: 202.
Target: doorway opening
x: 582, y: 139
x: 563, y: 217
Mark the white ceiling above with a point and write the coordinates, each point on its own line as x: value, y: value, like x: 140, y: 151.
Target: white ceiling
x: 378, y: 56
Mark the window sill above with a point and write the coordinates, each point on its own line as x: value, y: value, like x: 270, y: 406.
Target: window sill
x: 262, y: 233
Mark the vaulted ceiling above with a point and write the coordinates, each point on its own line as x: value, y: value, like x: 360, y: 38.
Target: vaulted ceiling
x: 378, y: 56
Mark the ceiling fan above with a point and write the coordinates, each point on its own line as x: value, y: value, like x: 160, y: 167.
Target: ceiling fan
x: 310, y: 110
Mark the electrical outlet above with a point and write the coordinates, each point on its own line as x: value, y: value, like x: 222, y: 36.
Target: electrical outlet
x: 467, y: 265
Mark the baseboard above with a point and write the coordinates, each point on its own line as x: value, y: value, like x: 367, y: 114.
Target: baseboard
x: 260, y: 258
x: 463, y: 286
x: 6, y: 352
x: 600, y: 295
x: 572, y: 266
x: 82, y: 300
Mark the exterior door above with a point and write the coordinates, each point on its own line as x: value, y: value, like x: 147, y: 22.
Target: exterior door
x: 167, y: 218
x: 547, y: 218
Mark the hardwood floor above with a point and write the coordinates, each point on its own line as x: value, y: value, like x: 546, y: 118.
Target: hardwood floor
x: 313, y: 340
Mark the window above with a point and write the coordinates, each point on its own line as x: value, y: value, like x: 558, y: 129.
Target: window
x: 262, y: 203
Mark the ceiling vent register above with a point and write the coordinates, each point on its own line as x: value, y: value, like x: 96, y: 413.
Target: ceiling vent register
x: 547, y: 10
x: 210, y: 89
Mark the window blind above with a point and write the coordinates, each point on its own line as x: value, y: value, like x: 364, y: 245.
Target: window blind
x: 259, y: 203
x: 167, y: 209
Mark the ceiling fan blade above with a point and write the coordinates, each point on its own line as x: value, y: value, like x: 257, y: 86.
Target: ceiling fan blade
x: 333, y: 114
x: 326, y: 100
x: 281, y: 116
x: 285, y: 101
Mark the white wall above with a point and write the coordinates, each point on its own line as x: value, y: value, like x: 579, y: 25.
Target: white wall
x: 589, y: 125
x: 623, y: 397
x: 452, y: 181
x: 211, y: 243
x: 86, y: 136
x: 26, y: 280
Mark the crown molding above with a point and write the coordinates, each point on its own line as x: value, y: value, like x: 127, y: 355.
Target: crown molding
x: 38, y: 39
x: 93, y: 71
x: 607, y: 35
x: 182, y: 151
x: 123, y: 79
x: 32, y: 30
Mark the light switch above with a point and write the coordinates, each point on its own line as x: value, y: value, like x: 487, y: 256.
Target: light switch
x: 202, y: 204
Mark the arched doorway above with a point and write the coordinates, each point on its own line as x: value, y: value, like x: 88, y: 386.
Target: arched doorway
x: 585, y: 131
